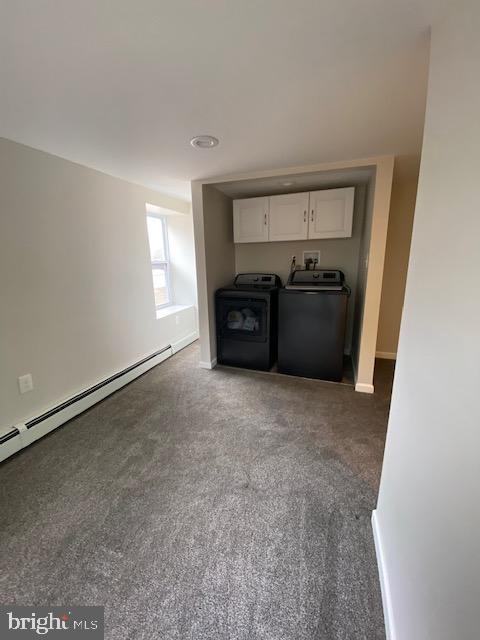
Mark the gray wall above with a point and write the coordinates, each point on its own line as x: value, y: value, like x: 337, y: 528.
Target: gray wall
x: 76, y: 288
x: 428, y: 513
x: 219, y: 248
x: 340, y: 253
x: 362, y: 270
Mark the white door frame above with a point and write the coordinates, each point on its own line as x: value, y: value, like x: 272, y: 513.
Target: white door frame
x: 365, y: 358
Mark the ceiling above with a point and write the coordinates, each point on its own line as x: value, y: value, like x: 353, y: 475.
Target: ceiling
x: 122, y: 86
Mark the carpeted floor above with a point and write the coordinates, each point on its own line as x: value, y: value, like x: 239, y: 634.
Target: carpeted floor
x: 205, y: 505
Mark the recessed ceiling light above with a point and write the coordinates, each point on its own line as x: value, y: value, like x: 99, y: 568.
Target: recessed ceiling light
x: 287, y: 184
x: 204, y: 142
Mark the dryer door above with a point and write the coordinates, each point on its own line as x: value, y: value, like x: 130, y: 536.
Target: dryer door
x: 242, y: 319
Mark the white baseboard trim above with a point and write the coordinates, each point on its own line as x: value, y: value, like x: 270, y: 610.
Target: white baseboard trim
x: 208, y: 365
x: 184, y: 342
x: 361, y: 387
x: 386, y: 355
x: 384, y: 582
x: 26, y: 433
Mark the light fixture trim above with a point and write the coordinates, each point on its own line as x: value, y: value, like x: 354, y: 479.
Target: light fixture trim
x: 204, y: 142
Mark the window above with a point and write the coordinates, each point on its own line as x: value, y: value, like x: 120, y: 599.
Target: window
x: 158, y: 239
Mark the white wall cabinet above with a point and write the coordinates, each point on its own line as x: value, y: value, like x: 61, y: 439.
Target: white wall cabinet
x: 250, y: 220
x: 295, y: 216
x: 288, y: 217
x: 331, y: 213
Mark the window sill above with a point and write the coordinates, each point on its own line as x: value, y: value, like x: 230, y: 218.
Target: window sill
x: 171, y: 310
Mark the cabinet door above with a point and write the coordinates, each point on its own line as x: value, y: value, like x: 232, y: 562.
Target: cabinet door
x: 331, y: 213
x: 250, y: 220
x: 288, y: 217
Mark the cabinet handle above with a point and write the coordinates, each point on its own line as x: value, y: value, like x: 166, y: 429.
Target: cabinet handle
x: 304, y: 216
x: 265, y: 219
x: 312, y: 215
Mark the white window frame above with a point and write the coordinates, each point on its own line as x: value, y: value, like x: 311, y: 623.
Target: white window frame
x: 164, y: 265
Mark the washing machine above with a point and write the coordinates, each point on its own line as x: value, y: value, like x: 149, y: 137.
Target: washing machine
x: 312, y: 317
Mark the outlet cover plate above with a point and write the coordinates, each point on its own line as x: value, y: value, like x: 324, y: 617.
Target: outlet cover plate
x: 25, y: 383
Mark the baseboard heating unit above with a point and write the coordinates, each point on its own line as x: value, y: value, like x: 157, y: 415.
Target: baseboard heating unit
x: 21, y: 435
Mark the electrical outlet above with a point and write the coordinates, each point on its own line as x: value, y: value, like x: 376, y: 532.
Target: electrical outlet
x: 177, y: 319
x: 25, y: 383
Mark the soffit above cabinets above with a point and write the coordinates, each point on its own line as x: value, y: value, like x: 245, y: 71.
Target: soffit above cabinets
x: 299, y: 182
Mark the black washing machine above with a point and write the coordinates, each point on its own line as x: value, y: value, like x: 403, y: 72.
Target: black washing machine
x: 247, y: 321
x: 312, y: 321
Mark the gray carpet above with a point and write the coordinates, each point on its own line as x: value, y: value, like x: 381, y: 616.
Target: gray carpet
x: 205, y: 505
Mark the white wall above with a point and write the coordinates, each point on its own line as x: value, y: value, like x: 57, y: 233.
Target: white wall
x: 428, y: 512
x: 182, y: 259
x: 76, y: 288
x: 370, y: 278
